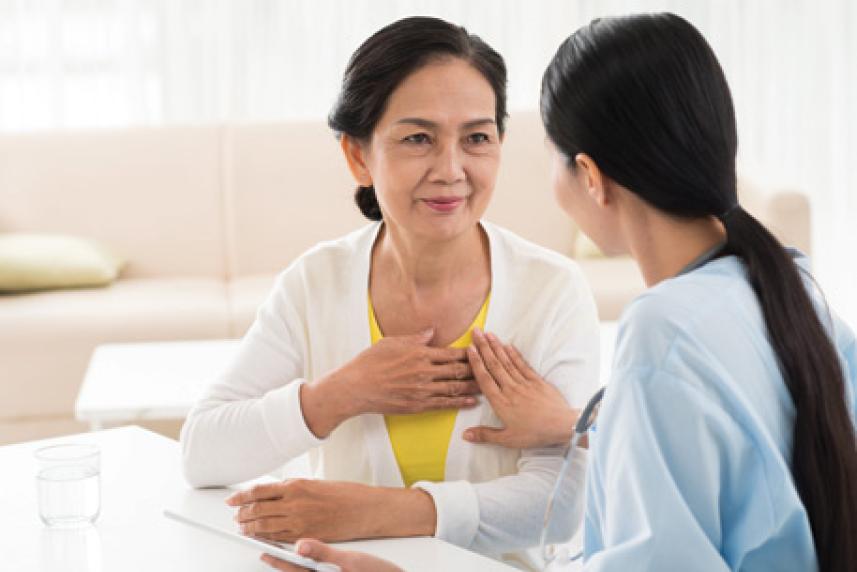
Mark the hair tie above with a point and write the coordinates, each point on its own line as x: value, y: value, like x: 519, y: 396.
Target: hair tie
x: 729, y: 212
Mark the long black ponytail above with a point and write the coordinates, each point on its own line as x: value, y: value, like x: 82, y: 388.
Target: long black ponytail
x: 646, y: 98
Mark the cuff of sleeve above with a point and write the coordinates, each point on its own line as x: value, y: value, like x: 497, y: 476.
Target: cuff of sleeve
x: 457, y: 510
x: 284, y: 420
x: 573, y: 491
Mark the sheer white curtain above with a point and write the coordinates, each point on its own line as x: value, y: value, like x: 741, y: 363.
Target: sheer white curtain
x: 792, y: 65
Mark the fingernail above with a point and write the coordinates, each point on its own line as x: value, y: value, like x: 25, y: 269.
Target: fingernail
x: 302, y: 548
x: 244, y: 529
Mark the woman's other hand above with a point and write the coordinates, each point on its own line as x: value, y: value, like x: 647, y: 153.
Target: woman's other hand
x: 534, y: 412
x: 343, y: 560
x: 332, y: 511
x: 399, y: 374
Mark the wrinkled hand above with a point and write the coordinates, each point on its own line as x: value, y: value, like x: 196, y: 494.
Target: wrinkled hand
x: 534, y: 412
x: 397, y: 375
x: 286, y: 511
x: 344, y: 560
x: 403, y: 374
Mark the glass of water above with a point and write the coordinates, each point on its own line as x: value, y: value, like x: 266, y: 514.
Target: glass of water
x: 69, y: 484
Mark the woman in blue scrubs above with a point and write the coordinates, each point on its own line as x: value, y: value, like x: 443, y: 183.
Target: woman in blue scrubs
x: 726, y: 440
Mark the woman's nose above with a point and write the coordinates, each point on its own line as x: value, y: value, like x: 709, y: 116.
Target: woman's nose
x: 448, y: 165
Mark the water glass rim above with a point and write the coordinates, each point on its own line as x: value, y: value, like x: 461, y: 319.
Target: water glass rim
x: 67, y: 452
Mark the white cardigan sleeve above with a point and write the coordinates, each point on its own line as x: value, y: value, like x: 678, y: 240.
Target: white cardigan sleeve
x: 250, y: 421
x: 506, y: 514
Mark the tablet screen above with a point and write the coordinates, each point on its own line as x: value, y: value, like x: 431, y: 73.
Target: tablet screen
x: 281, y: 551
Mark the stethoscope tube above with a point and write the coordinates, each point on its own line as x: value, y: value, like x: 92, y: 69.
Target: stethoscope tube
x: 584, y: 423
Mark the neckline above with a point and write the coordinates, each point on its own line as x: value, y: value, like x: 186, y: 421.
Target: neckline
x: 704, y: 258
x: 480, y: 318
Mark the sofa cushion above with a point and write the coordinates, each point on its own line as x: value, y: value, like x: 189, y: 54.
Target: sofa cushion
x: 523, y: 198
x: 585, y: 247
x: 246, y: 294
x: 152, y: 194
x: 47, y: 338
x: 614, y: 281
x: 287, y: 188
x: 45, y: 261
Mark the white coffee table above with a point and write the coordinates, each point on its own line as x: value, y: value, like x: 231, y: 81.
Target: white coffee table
x: 148, y: 380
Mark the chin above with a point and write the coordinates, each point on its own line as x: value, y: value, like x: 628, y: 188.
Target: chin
x: 447, y: 228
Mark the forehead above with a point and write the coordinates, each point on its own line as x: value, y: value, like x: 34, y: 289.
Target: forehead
x: 450, y: 90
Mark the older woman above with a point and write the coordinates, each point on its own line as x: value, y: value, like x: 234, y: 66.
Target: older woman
x: 358, y: 356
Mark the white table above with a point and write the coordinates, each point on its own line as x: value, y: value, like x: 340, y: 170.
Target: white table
x: 162, y: 380
x: 140, y: 476
x: 148, y: 380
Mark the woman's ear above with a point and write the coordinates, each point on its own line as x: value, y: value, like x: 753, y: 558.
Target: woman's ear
x: 355, y: 158
x: 594, y: 181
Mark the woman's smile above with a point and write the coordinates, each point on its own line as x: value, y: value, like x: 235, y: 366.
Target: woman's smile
x: 443, y: 204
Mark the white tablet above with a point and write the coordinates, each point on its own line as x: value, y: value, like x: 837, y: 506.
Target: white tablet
x: 272, y: 548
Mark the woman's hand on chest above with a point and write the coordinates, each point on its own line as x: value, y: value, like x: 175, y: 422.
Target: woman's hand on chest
x: 397, y: 375
x: 534, y: 412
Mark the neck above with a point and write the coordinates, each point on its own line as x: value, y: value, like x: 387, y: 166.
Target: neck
x: 425, y: 266
x: 664, y: 245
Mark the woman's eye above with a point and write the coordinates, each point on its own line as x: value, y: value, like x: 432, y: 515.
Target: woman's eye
x: 418, y: 138
x: 478, y: 138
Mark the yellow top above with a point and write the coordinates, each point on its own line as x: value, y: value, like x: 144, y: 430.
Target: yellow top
x: 420, y: 440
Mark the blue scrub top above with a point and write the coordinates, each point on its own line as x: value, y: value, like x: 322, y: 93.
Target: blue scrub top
x: 689, y: 461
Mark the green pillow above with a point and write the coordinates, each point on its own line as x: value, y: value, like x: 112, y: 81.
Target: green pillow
x: 47, y: 261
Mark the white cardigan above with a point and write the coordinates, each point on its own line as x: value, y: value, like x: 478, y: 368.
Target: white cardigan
x: 316, y: 319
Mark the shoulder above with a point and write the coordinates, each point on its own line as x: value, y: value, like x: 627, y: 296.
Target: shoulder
x: 844, y: 337
x: 688, y: 313
x: 339, y: 253
x: 330, y: 260
x: 846, y: 345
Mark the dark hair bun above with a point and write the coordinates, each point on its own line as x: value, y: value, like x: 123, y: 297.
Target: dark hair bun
x: 368, y: 203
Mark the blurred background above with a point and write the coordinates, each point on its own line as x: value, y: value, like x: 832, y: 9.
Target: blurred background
x: 792, y: 66
x: 213, y: 108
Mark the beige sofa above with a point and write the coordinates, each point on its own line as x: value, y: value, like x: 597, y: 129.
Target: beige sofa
x: 206, y: 217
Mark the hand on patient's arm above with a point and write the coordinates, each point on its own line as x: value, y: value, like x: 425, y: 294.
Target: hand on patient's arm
x: 332, y: 511
x: 534, y: 412
x: 345, y: 560
x: 399, y: 374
